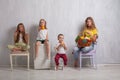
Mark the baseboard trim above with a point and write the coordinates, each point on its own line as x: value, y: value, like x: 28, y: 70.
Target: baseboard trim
x: 108, y: 64
x: 68, y: 65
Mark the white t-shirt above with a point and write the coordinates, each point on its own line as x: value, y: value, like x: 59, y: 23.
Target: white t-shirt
x: 42, y: 34
x: 61, y: 49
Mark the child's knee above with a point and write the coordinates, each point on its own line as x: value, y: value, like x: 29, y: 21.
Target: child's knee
x: 56, y: 58
x: 37, y: 43
x: 75, y: 49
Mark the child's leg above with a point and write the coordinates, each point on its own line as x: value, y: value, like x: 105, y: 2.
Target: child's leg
x: 64, y: 59
x: 37, y: 47
x: 14, y: 48
x: 11, y: 47
x: 57, y: 60
x: 76, y: 56
x: 25, y: 47
x: 76, y: 63
x: 47, y: 48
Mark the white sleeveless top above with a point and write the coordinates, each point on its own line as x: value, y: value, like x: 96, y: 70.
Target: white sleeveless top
x: 61, y: 50
x: 20, y: 38
x: 42, y: 34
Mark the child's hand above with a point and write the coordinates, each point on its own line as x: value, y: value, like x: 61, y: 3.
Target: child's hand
x: 62, y: 44
x: 94, y: 38
x: 39, y: 28
x: 16, y: 32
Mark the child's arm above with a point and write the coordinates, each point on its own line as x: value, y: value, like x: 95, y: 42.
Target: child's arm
x: 57, y: 46
x: 47, y: 37
x: 15, y: 36
x: 77, y: 38
x: 64, y: 45
x: 27, y: 38
x: 61, y: 44
x: 94, y: 38
x: 39, y: 28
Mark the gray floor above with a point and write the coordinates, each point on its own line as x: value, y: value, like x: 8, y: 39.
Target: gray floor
x: 107, y: 72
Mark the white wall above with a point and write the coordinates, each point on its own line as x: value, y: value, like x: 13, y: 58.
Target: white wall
x: 62, y: 16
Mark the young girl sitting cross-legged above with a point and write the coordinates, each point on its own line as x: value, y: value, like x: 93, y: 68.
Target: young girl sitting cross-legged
x: 21, y: 39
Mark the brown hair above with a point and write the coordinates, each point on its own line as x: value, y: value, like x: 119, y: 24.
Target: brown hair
x: 93, y: 24
x: 18, y: 34
x: 44, y: 21
x: 60, y: 35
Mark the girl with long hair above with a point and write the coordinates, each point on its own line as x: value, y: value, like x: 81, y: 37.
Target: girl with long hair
x: 86, y: 39
x: 21, y: 39
x: 42, y: 38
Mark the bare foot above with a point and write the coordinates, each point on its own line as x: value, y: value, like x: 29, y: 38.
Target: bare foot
x: 65, y: 65
x: 15, y: 49
x: 48, y: 55
x: 48, y: 58
x: 36, y: 55
x: 75, y: 66
x: 56, y: 67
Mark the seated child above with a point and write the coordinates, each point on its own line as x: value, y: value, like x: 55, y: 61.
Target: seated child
x: 61, y: 51
x: 21, y: 39
x: 42, y: 38
x: 20, y: 46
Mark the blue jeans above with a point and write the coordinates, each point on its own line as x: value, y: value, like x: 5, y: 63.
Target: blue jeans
x: 77, y: 50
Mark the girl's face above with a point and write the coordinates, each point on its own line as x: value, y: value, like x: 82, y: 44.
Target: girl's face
x: 61, y: 38
x: 42, y: 23
x: 89, y: 23
x: 21, y: 28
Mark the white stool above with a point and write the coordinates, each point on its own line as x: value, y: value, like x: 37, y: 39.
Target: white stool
x: 41, y: 61
x: 19, y: 53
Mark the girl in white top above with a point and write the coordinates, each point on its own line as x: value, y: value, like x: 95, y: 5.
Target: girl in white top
x: 42, y: 38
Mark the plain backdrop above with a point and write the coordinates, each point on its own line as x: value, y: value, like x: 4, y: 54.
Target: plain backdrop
x: 62, y: 16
